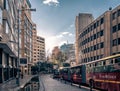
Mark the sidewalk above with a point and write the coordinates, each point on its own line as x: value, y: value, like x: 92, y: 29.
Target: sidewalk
x: 12, y: 86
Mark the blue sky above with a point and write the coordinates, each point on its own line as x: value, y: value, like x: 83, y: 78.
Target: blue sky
x: 55, y: 19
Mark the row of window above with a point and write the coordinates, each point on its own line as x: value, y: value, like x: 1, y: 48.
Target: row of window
x: 104, y: 66
x: 92, y: 27
x: 85, y: 60
x: 116, y: 28
x: 115, y: 14
x: 93, y: 37
x: 116, y: 42
x: 93, y: 48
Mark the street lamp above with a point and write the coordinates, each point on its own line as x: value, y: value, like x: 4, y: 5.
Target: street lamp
x: 18, y: 59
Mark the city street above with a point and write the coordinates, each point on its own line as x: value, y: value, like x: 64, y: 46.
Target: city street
x: 51, y: 84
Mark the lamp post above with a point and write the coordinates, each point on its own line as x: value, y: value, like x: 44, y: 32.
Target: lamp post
x: 18, y: 59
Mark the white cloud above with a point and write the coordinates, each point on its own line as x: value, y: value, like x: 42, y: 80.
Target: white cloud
x: 72, y: 25
x: 70, y: 34
x: 65, y: 33
x: 51, y: 2
x: 59, y: 36
x: 57, y: 40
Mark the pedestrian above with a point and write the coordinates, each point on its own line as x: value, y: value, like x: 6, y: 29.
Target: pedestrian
x: 21, y: 75
x: 17, y: 79
x: 91, y: 82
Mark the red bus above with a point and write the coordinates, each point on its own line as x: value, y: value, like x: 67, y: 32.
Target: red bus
x: 65, y: 73
x: 76, y: 74
x: 105, y: 73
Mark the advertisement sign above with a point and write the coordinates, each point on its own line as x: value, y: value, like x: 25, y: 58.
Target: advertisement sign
x: 23, y: 61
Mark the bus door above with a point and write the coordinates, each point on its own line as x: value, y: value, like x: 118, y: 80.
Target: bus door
x: 83, y: 73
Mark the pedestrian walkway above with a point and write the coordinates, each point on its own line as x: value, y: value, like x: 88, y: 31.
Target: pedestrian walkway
x: 12, y: 86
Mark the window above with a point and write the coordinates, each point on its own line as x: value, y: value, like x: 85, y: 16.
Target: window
x: 88, y: 30
x: 88, y: 39
x: 114, y: 28
x: 94, y: 47
x: 88, y: 49
x: 101, y: 45
x: 101, y: 56
x: 118, y: 12
x: 94, y: 25
x: 98, y: 34
x: 114, y: 42
x: 91, y: 58
x: 91, y: 28
x: 97, y: 46
x: 114, y: 15
x: 102, y: 20
x: 94, y: 57
x: 101, y: 33
x: 119, y: 26
x: 97, y: 23
x: 104, y: 63
x: 97, y: 57
x: 118, y: 41
x: 94, y: 36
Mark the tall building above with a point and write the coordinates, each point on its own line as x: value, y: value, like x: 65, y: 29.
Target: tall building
x: 34, y: 36
x: 26, y: 37
x: 55, y: 53
x: 69, y: 51
x: 8, y: 39
x: 38, y: 47
x: 41, y: 48
x: 101, y: 38
x: 82, y: 20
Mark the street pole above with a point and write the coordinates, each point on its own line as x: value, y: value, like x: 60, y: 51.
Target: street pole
x: 18, y: 59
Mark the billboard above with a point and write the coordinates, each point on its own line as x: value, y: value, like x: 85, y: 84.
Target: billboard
x: 23, y: 60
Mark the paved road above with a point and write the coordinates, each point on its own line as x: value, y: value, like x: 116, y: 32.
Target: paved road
x: 51, y: 84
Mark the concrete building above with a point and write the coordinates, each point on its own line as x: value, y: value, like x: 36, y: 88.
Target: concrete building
x: 55, y: 53
x: 8, y: 39
x: 101, y: 38
x: 34, y: 36
x: 69, y: 51
x: 38, y: 47
x: 26, y: 25
x: 41, y: 48
x: 82, y: 20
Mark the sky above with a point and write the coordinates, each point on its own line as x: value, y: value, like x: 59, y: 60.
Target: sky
x: 55, y: 19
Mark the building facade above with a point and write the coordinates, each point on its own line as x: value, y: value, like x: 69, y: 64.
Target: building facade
x: 38, y: 47
x: 41, y: 48
x: 82, y: 20
x: 8, y: 39
x: 101, y: 38
x: 69, y: 52
x: 26, y: 25
x: 55, y: 53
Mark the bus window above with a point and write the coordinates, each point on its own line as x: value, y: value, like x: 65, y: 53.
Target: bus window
x: 117, y: 60
x: 99, y: 63
x: 104, y: 63
x: 107, y: 62
x: 111, y: 61
x: 95, y: 64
